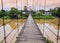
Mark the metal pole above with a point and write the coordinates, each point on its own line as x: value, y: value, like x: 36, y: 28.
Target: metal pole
x: 16, y: 3
x: 17, y: 18
x: 21, y: 11
x: 3, y: 22
x: 40, y: 5
x: 37, y: 5
x: 27, y: 3
x: 44, y: 17
x: 2, y: 4
x: 33, y: 5
x: 21, y: 4
x: 58, y: 30
x: 39, y: 9
x: 4, y: 30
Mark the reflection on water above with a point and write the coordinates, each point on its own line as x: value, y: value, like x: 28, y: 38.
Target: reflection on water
x: 10, y: 29
x: 53, y: 22
x: 50, y: 30
x: 13, y: 22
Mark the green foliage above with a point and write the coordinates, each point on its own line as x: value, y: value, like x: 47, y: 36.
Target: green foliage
x: 33, y: 12
x: 12, y: 14
x: 41, y: 16
x: 48, y: 41
x: 13, y: 11
x: 2, y: 13
x: 55, y: 11
x: 42, y: 11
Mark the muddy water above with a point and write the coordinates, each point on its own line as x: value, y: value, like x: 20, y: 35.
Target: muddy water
x: 10, y: 25
x: 13, y: 22
x: 53, y: 22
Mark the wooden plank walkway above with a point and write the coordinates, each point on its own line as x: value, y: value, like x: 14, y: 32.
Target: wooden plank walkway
x: 30, y: 33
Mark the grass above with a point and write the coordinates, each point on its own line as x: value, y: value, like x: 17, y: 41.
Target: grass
x: 43, y: 17
x: 48, y: 41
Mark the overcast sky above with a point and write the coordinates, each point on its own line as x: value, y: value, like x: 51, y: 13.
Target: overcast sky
x: 34, y: 4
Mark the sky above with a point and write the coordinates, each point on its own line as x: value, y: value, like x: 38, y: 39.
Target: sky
x: 33, y: 4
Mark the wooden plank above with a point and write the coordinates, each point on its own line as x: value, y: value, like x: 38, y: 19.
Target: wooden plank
x: 30, y: 33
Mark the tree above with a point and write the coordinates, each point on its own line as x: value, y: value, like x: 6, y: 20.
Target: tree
x: 42, y: 11
x: 58, y: 12
x: 13, y: 12
x: 55, y: 11
x: 2, y: 13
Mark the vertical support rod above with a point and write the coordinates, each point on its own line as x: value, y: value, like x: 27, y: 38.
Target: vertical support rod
x: 2, y: 4
x: 44, y: 17
x: 16, y: 3
x: 4, y: 29
x: 21, y: 11
x: 40, y: 9
x: 37, y: 5
x: 33, y: 5
x: 17, y: 18
x: 3, y: 22
x: 21, y: 5
x: 58, y: 30
x: 27, y: 3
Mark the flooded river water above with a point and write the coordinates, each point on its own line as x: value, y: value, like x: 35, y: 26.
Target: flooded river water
x: 10, y: 29
x: 49, y: 28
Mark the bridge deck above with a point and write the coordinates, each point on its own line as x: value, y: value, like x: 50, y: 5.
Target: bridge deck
x: 30, y: 33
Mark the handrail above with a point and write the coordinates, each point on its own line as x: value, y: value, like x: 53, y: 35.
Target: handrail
x: 54, y: 23
x: 51, y: 30
x: 6, y: 23
x: 13, y: 37
x: 7, y: 35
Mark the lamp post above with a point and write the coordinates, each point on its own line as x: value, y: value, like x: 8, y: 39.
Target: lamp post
x: 3, y: 21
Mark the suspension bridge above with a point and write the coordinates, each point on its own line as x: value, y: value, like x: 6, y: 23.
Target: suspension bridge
x: 30, y: 31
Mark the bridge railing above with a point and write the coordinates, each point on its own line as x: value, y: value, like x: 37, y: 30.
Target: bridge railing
x: 7, y: 34
x: 49, y: 30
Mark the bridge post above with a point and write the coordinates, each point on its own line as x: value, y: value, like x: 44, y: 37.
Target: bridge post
x: 58, y: 30
x: 4, y: 30
x: 3, y: 21
x: 17, y: 17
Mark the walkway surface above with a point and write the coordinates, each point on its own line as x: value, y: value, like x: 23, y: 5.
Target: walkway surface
x: 30, y: 33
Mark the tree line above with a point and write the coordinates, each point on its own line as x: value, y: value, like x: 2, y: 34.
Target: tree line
x: 13, y: 13
x: 55, y: 12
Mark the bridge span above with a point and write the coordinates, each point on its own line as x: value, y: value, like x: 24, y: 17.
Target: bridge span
x: 30, y: 33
